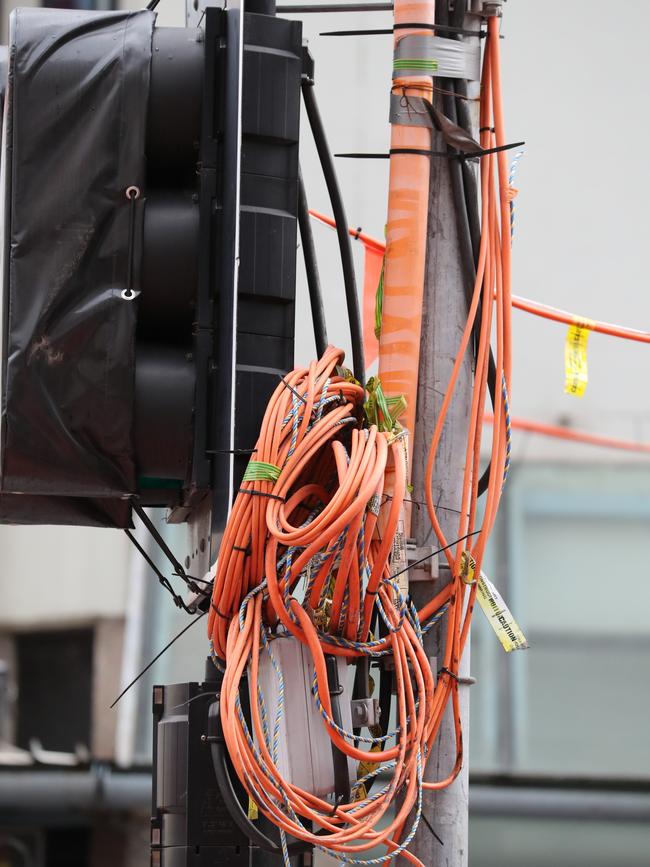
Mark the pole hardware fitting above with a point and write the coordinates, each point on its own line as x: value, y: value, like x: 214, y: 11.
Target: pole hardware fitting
x: 158, y: 697
x: 308, y: 67
x: 461, y: 681
x: 487, y: 8
x: 425, y: 571
x: 365, y: 712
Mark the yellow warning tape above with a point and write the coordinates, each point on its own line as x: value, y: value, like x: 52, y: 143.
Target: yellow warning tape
x: 253, y: 812
x: 576, y: 374
x: 495, y: 609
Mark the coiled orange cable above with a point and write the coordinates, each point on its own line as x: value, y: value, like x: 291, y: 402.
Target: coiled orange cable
x: 308, y: 552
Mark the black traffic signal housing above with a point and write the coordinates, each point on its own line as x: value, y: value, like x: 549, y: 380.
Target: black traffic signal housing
x: 150, y: 201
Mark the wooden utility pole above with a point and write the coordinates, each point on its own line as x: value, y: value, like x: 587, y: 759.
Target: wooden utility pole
x: 442, y: 836
x: 445, y: 314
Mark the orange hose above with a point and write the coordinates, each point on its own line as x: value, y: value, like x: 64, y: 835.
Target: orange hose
x: 309, y: 548
x: 577, y: 436
x: 546, y: 311
x: 406, y: 228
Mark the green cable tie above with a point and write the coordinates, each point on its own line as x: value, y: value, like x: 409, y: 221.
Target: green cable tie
x: 397, y: 406
x: 380, y: 410
x: 415, y: 63
x: 379, y: 299
x: 260, y: 471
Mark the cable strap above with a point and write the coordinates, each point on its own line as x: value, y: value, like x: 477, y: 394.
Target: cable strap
x: 409, y: 111
x: 260, y: 471
x: 420, y: 54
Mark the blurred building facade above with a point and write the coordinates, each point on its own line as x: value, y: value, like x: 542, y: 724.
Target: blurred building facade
x: 559, y: 754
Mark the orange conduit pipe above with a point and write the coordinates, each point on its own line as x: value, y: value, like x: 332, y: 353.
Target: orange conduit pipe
x: 554, y: 314
x: 406, y: 229
x: 576, y: 436
x: 372, y: 267
x: 308, y: 552
x: 357, y: 234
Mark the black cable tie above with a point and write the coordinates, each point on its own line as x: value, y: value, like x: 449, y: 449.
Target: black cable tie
x: 428, y: 824
x: 441, y: 28
x: 164, y: 547
x: 487, y: 151
x: 371, y: 592
x: 387, y: 31
x: 357, y: 233
x: 487, y: 129
x: 381, y: 32
x: 430, y: 153
x: 219, y: 613
x: 262, y: 494
x: 291, y: 389
x: 246, y: 550
x: 338, y: 803
x: 445, y: 670
x: 162, y: 579
x: 233, y: 451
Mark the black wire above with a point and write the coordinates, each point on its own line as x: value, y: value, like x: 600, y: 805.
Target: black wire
x: 465, y: 194
x: 311, y: 268
x: 229, y: 796
x: 166, y: 550
x: 158, y: 655
x: 164, y: 581
x: 339, y: 759
x: 433, y: 554
x: 345, y: 244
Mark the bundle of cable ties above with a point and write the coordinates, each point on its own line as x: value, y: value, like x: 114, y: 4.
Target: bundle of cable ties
x: 309, y: 552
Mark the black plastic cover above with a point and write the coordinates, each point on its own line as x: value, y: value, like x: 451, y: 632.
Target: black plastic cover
x: 190, y: 822
x: 75, y: 141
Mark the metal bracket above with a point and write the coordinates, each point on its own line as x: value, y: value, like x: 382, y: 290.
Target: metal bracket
x: 426, y: 571
x: 308, y: 66
x: 487, y: 8
x: 365, y: 712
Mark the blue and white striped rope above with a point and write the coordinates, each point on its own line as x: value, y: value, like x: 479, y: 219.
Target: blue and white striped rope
x: 341, y: 731
x: 366, y: 862
x: 506, y: 412
x: 433, y: 620
x: 511, y: 178
x: 372, y: 774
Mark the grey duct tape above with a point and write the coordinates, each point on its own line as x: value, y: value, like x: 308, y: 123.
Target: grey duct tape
x: 409, y: 111
x: 421, y: 54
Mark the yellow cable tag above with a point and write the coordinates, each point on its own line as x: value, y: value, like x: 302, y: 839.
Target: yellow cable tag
x: 366, y: 766
x: 467, y: 568
x: 253, y: 812
x: 576, y: 374
x: 495, y: 609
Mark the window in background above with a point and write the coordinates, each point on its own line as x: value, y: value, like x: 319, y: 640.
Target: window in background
x: 507, y: 842
x: 569, y: 555
x: 67, y: 847
x: 54, y: 677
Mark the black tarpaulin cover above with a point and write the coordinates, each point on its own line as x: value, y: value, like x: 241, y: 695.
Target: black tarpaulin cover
x: 74, y: 142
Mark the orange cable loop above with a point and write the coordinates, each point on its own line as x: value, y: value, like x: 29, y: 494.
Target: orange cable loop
x: 310, y: 547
